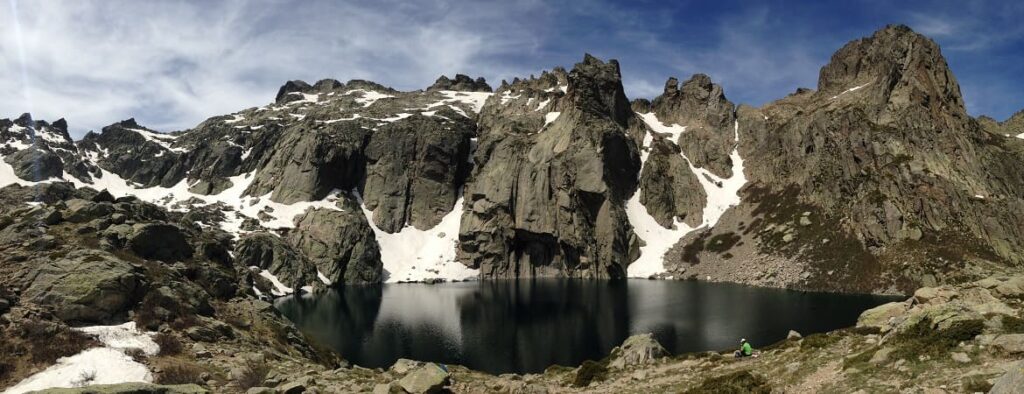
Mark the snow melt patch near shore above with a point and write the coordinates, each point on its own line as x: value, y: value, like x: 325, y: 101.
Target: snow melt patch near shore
x: 415, y: 255
x: 103, y: 365
x: 722, y: 193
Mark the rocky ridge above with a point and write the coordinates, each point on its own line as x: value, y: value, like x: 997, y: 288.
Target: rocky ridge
x: 878, y: 177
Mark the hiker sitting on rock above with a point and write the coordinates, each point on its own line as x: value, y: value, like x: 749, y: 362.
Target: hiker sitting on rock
x: 745, y: 349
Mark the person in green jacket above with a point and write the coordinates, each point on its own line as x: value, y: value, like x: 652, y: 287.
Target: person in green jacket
x: 745, y: 349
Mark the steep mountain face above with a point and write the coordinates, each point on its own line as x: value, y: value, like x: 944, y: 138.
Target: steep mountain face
x: 879, y: 178
x: 876, y: 181
x: 546, y: 199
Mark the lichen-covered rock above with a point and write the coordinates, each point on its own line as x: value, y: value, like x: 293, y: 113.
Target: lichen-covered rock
x: 85, y: 286
x: 430, y: 378
x: 881, y: 316
x: 638, y: 349
x: 1011, y: 381
x: 340, y: 243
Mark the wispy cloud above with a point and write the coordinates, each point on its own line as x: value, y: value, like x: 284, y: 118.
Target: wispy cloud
x: 173, y: 64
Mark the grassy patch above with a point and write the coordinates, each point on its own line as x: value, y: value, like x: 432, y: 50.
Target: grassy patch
x: 180, y: 372
x: 818, y: 341
x: 738, y: 382
x: 922, y: 339
x: 1013, y: 324
x: 254, y: 373
x: 169, y: 343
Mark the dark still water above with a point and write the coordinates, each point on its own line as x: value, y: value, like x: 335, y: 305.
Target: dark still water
x: 525, y: 326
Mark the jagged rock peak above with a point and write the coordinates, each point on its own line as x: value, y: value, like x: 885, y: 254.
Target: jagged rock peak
x: 291, y: 87
x: 548, y: 80
x: 697, y: 103
x: 596, y: 87
x: 462, y: 83
x: 897, y: 65
x: 129, y: 123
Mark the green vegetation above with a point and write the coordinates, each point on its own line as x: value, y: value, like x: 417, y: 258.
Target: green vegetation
x: 817, y: 341
x: 590, y: 371
x: 738, y: 382
x: 922, y: 339
x: 180, y: 372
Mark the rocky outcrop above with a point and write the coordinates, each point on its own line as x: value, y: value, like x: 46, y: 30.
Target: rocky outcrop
x: 137, y: 154
x: 35, y: 164
x: 158, y: 241
x: 462, y: 83
x: 340, y: 243
x: 701, y: 107
x: 637, y: 350
x: 85, y: 286
x: 668, y: 188
x: 551, y: 203
x: 272, y: 253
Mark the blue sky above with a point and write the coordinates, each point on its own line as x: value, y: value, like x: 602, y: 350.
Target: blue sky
x: 173, y: 64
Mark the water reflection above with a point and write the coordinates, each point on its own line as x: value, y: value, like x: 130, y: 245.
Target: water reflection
x: 528, y: 325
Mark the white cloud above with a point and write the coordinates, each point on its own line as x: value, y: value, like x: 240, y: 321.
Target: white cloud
x: 173, y: 64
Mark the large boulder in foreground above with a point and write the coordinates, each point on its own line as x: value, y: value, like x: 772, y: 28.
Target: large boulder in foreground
x: 430, y: 378
x: 1011, y: 381
x: 638, y: 349
x: 340, y: 243
x: 85, y: 286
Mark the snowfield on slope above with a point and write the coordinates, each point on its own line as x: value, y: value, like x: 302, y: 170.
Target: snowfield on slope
x: 722, y: 193
x: 108, y: 364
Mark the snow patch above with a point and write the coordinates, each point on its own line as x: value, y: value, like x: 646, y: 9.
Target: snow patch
x: 279, y: 288
x: 103, y: 365
x: 853, y: 89
x: 163, y: 140
x: 475, y: 100
x: 367, y: 97
x: 722, y: 193
x: 414, y: 255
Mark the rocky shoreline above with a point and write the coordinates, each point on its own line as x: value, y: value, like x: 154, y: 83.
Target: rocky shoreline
x: 965, y: 338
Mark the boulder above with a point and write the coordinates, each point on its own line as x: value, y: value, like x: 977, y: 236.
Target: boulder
x: 340, y: 243
x: 388, y: 388
x: 881, y: 316
x: 85, y: 286
x: 1011, y: 381
x: 159, y: 241
x: 430, y: 378
x: 638, y: 349
x: 404, y: 365
x: 793, y: 335
x: 1009, y: 343
x: 81, y: 211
